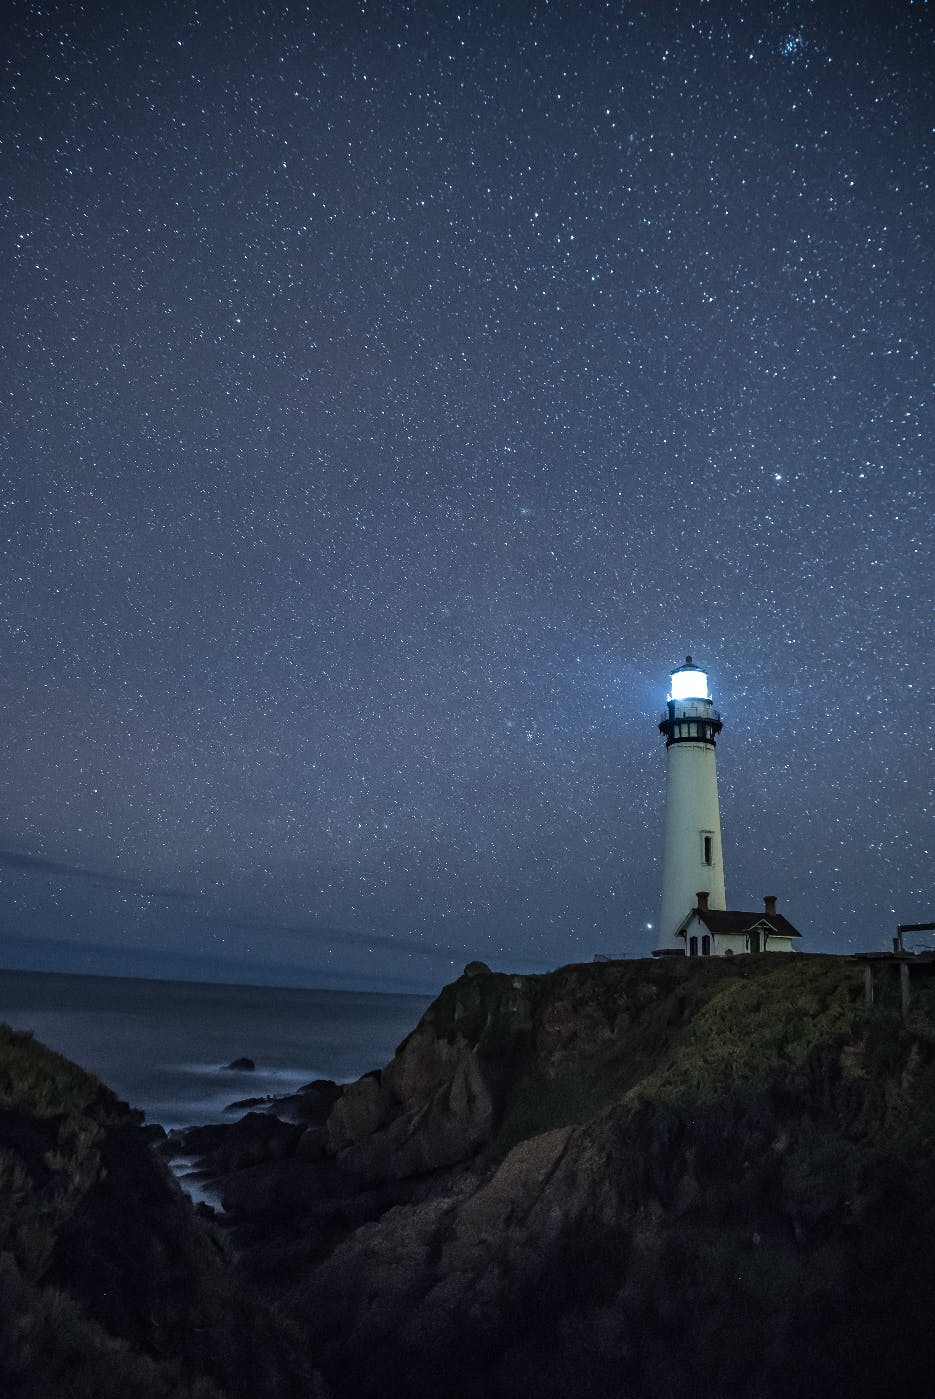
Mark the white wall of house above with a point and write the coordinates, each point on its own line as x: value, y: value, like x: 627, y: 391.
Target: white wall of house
x: 735, y: 944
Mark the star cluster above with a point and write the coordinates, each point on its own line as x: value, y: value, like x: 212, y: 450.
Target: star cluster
x: 398, y: 392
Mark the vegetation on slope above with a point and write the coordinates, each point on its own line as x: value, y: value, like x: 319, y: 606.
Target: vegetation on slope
x: 109, y: 1284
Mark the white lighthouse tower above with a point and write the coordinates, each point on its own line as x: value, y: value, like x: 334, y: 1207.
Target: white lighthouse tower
x: 692, y: 861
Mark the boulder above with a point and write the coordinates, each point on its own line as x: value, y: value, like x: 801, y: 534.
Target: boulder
x: 311, y: 1103
x: 362, y: 1109
x: 233, y: 1146
x: 244, y: 1104
x: 312, y: 1144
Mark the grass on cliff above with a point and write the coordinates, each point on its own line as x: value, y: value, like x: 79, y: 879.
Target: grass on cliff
x: 36, y: 1079
x: 680, y: 1034
x: 55, y: 1113
x: 50, y: 1346
x: 742, y: 1034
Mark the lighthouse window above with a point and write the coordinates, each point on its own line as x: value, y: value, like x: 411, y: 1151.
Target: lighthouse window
x: 707, y: 844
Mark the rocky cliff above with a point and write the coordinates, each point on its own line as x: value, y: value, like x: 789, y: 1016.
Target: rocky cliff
x: 631, y: 1179
x: 110, y: 1283
x: 663, y: 1179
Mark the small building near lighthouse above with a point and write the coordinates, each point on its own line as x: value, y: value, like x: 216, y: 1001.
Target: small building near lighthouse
x: 722, y: 932
x: 695, y: 920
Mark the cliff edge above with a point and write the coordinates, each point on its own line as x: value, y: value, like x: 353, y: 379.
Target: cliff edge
x: 628, y: 1179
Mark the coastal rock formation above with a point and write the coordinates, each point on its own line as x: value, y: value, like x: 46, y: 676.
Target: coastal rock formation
x: 629, y: 1179
x: 110, y: 1284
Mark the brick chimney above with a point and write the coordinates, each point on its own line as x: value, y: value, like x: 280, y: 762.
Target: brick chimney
x: 702, y: 897
x: 769, y: 905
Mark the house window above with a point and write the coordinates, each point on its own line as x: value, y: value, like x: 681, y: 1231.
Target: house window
x: 707, y: 848
x: 706, y: 945
x: 693, y: 947
x: 754, y: 940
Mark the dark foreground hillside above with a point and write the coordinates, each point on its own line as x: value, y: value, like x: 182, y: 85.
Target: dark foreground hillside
x: 646, y: 1180
x: 641, y: 1179
x: 110, y: 1286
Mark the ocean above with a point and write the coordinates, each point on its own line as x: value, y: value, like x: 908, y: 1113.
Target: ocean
x: 163, y: 1045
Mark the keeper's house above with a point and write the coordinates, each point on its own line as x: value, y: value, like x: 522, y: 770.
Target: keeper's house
x: 722, y: 932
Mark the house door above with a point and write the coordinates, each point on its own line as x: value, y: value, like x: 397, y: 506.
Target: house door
x: 755, y: 940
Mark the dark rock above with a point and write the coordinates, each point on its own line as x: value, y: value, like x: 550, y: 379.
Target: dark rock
x: 310, y: 1104
x: 312, y: 1144
x: 244, y: 1103
x: 278, y: 1188
x: 110, y: 1283
x: 314, y: 1102
x: 232, y: 1146
x: 363, y: 1109
x: 325, y: 1087
x: 476, y: 969
x: 241, y: 1065
x: 153, y: 1133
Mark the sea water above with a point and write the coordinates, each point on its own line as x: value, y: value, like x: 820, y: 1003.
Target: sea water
x: 163, y: 1045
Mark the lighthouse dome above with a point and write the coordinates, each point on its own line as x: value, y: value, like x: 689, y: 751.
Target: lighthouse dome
x: 689, y: 682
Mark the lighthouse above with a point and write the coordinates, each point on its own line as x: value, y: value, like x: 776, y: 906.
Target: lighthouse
x: 693, y: 861
x: 695, y: 919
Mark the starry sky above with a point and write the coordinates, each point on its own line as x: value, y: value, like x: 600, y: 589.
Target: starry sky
x: 394, y: 393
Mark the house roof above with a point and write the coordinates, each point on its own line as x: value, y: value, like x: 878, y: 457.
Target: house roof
x: 724, y: 920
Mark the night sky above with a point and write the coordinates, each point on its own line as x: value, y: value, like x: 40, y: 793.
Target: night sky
x: 394, y: 394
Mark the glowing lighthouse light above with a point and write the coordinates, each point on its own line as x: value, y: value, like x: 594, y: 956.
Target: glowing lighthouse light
x: 689, y: 682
